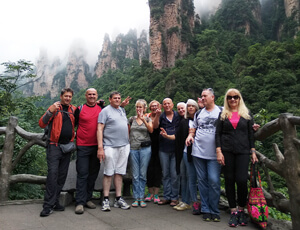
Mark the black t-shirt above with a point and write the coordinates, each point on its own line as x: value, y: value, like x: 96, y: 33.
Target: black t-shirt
x: 66, y: 129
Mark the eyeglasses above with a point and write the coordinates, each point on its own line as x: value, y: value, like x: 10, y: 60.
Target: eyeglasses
x: 235, y: 97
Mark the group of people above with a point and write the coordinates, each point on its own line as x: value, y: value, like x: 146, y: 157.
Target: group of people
x: 183, y: 149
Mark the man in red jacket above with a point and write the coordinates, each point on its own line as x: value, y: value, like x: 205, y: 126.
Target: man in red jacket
x: 60, y: 120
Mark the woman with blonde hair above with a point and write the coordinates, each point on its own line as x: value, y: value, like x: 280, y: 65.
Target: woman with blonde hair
x: 234, y: 144
x: 140, y: 151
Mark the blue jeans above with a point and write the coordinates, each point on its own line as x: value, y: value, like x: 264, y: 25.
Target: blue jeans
x: 170, y: 178
x: 191, y: 180
x: 208, y: 174
x: 139, y: 160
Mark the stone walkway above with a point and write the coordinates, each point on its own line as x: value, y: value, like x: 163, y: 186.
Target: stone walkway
x: 26, y: 217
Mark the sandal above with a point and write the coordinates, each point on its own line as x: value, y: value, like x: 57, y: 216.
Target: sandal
x: 174, y: 203
x: 163, y: 202
x: 143, y: 204
x: 156, y: 199
x: 149, y: 197
x: 135, y: 204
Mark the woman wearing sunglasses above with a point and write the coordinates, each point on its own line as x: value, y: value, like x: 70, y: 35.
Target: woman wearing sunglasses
x: 234, y: 143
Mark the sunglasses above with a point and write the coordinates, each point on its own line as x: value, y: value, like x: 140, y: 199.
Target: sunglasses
x: 235, y: 97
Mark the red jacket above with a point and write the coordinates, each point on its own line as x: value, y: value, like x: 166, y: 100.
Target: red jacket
x: 55, y: 126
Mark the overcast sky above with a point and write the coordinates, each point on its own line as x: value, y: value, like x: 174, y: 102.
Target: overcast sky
x: 29, y: 25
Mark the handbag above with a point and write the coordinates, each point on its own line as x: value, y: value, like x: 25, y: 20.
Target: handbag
x: 257, y: 204
x: 67, y: 148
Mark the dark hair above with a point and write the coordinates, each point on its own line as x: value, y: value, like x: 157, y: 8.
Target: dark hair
x: 114, y: 93
x: 63, y: 91
x: 210, y: 90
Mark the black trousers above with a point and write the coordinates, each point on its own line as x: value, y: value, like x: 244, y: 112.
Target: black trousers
x: 58, y: 165
x: 87, y: 167
x: 236, y: 173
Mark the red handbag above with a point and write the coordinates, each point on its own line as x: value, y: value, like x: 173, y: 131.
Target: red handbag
x: 257, y: 205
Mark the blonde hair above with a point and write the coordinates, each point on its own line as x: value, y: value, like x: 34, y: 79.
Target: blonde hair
x: 143, y: 102
x: 242, y: 109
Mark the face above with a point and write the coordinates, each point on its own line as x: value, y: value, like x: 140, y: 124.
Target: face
x: 233, y: 100
x: 115, y: 101
x: 91, y: 97
x: 181, y: 110
x: 168, y: 105
x: 66, y: 98
x: 154, y: 106
x: 139, y: 108
x: 191, y: 110
x: 207, y: 98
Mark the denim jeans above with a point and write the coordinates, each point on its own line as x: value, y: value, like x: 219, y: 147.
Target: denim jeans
x: 87, y: 167
x: 170, y: 178
x: 208, y: 174
x: 139, y: 160
x: 191, y: 178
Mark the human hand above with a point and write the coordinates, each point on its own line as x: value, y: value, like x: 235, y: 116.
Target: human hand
x: 101, y: 154
x: 163, y: 132
x: 54, y: 107
x: 189, y: 140
x: 126, y: 101
x: 255, y: 127
x: 220, y: 158
x: 254, y: 158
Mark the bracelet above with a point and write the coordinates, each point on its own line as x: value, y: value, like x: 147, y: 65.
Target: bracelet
x: 252, y: 151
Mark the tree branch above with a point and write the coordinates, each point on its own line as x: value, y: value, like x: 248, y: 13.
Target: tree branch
x: 273, y: 165
x: 37, y: 137
x: 27, y: 178
x: 2, y: 130
x: 278, y: 154
x: 267, y: 130
x: 294, y: 120
x: 22, y: 152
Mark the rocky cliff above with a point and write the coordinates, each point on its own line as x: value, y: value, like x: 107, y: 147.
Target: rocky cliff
x: 291, y: 6
x: 171, y: 26
x: 53, y: 74
x: 127, y: 46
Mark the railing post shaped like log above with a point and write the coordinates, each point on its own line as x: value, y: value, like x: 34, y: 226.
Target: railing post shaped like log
x: 8, y: 150
x: 291, y: 165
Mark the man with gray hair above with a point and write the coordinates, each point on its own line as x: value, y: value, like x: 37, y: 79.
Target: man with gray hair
x: 202, y: 135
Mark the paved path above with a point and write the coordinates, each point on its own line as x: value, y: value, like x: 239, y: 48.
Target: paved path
x: 26, y: 217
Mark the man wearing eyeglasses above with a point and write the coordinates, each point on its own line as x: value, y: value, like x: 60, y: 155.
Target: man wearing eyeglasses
x: 202, y: 135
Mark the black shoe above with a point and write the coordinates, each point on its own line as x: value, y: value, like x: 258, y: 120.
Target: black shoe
x: 46, y: 212
x: 242, y: 218
x: 206, y: 217
x: 234, y: 219
x: 58, y: 207
x: 215, y: 218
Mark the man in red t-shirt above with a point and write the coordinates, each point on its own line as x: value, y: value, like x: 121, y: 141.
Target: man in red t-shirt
x: 87, y: 164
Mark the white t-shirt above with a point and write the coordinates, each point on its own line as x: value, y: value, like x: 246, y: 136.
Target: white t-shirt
x: 204, y: 145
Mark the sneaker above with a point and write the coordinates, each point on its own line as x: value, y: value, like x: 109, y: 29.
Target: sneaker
x: 79, y: 209
x: 105, y: 206
x: 90, y: 205
x: 196, y: 208
x: 46, y: 212
x: 215, y: 218
x: 242, y: 218
x: 149, y: 197
x: 178, y: 205
x: 234, y: 220
x: 121, y: 204
x: 156, y: 199
x: 58, y: 207
x: 183, y: 207
x: 206, y: 217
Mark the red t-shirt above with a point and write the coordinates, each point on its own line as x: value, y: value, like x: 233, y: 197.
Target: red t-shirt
x: 87, y: 125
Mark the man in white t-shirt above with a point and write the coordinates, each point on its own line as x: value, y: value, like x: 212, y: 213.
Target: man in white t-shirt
x: 113, y: 148
x: 202, y: 134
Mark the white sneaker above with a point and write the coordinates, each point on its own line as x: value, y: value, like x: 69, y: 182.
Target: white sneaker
x: 121, y: 204
x: 178, y: 205
x: 105, y: 206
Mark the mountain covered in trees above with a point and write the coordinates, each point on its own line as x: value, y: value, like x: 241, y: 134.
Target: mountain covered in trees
x: 248, y: 44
